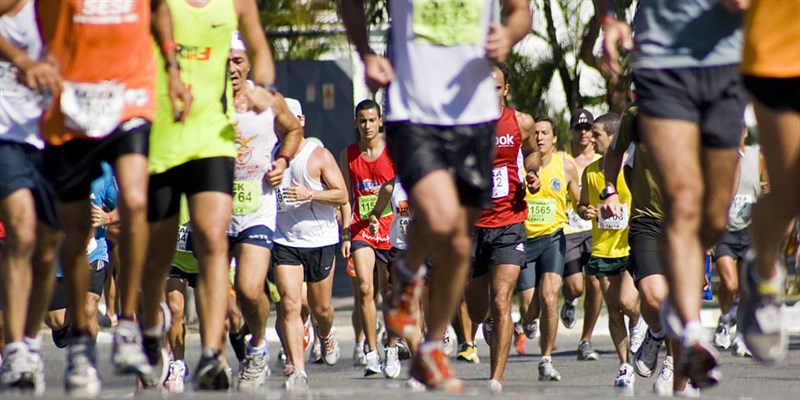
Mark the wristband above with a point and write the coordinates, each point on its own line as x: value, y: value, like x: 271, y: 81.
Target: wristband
x: 172, y: 64
x: 269, y: 86
x: 284, y: 155
x: 310, y: 195
x: 110, y: 218
x: 169, y: 45
x: 609, y: 15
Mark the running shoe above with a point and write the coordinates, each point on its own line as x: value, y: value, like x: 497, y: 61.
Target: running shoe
x: 568, y: 313
x: 646, y: 359
x: 699, y: 357
x: 415, y: 385
x: 391, y: 363
x: 760, y: 319
x: 157, y: 359
x: 468, y: 352
x: 297, y: 382
x: 402, y: 350
x: 238, y: 343
x: 127, y: 351
x: 373, y: 365
x: 211, y: 373
x: 449, y: 344
x: 359, y: 359
x: 662, y: 385
x: 586, y: 352
x: 637, y: 333
x: 38, y: 371
x: 401, y: 311
x: 61, y: 336
x: 18, y: 372
x: 486, y: 327
x: 81, y: 377
x: 495, y: 387
x: 530, y: 328
x: 308, y: 334
x: 330, y: 350
x: 253, y: 370
x: 689, y: 392
x: 315, y: 355
x: 625, y: 376
x: 431, y: 367
x: 176, y: 377
x: 722, y: 336
x: 520, y: 339
x: 288, y: 368
x: 546, y: 370
x: 740, y: 347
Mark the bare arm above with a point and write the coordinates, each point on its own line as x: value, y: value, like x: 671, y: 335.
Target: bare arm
x: 573, y: 189
x: 161, y: 26
x: 503, y: 37
x: 585, y: 209
x: 384, y: 195
x: 530, y: 150
x: 616, y: 34
x: 290, y: 133
x: 35, y: 74
x: 378, y: 70
x: 262, y: 67
x: 329, y: 174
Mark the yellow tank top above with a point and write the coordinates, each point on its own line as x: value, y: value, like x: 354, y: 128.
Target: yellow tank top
x: 609, y: 236
x: 203, y: 36
x: 576, y: 224
x: 547, y: 209
x: 184, y: 260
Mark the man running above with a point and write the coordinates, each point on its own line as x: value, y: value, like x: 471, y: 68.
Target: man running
x: 366, y: 166
x: 499, y: 239
x: 440, y: 131
x: 104, y: 114
x: 258, y: 132
x: 197, y: 158
x: 691, y: 102
x: 26, y: 198
x: 305, y: 250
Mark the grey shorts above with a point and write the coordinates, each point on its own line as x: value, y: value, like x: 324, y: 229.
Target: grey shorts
x: 542, y: 254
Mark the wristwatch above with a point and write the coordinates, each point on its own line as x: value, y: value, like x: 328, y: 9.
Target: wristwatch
x: 607, y: 192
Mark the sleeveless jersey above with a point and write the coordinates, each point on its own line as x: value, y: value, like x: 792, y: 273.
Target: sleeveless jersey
x: 253, y: 198
x: 366, y: 178
x: 184, y: 259
x: 305, y: 224
x: 576, y: 224
x: 203, y: 36
x: 547, y: 208
x: 437, y: 51
x: 398, y: 232
x: 20, y: 107
x: 747, y: 192
x: 772, y: 39
x: 104, y: 52
x: 609, y: 236
x: 508, y: 191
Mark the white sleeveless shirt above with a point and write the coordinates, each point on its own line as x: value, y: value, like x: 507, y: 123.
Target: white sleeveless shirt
x: 442, y: 74
x: 253, y: 198
x: 304, y: 224
x: 20, y: 107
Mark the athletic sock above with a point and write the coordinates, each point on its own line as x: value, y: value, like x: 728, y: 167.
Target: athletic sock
x: 34, y: 344
x: 16, y: 346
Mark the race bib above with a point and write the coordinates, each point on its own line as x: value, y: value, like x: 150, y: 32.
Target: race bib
x: 741, y: 207
x: 9, y: 85
x: 403, y: 224
x: 92, y: 108
x: 447, y: 22
x: 576, y: 223
x: 280, y: 199
x: 616, y: 223
x: 246, y: 197
x: 183, y: 239
x: 541, y: 210
x: 500, y: 182
x: 92, y: 246
x: 366, y: 203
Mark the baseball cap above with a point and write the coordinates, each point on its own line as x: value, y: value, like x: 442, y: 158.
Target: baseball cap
x: 581, y: 116
x: 294, y: 106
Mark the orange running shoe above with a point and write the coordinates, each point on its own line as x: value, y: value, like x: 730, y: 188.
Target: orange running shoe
x: 431, y: 367
x: 519, y: 339
x: 401, y: 313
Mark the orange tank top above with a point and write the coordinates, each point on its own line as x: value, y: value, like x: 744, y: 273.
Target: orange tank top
x: 104, y: 52
x: 772, y: 39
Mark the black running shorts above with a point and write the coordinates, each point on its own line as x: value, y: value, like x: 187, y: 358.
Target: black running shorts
x: 644, y: 237
x: 733, y: 244
x: 317, y: 262
x: 214, y: 174
x: 497, y: 246
x: 781, y: 94
x: 22, y: 167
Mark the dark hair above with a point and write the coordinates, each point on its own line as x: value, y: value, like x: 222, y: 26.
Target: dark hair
x: 367, y: 105
x: 610, y: 122
x: 544, y: 118
x: 504, y: 70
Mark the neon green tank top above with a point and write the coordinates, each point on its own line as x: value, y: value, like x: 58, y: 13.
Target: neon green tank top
x: 203, y: 36
x: 547, y: 209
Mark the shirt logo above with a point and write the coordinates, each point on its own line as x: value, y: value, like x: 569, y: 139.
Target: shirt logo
x: 506, y: 140
x: 555, y: 184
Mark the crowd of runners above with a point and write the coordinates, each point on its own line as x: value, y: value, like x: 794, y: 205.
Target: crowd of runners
x: 144, y: 148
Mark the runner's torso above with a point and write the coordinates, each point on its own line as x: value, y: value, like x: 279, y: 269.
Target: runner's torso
x: 366, y: 178
x: 547, y: 208
x: 576, y: 224
x: 747, y: 192
x: 609, y: 235
x: 508, y: 192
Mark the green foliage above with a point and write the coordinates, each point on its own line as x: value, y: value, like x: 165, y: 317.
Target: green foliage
x: 299, y: 30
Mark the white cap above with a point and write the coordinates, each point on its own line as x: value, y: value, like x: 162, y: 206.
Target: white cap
x: 294, y: 106
x: 236, y: 42
x: 315, y: 140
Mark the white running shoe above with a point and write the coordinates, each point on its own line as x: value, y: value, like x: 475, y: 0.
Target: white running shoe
x: 18, y: 372
x: 625, y: 376
x: 176, y: 378
x: 448, y: 339
x: 662, y: 385
x: 568, y: 309
x: 253, y: 369
x: 297, y: 381
x: 546, y: 370
x: 723, y: 335
x: 391, y: 363
x: 373, y: 365
x: 495, y: 387
x: 127, y: 351
x: 81, y: 377
x: 740, y: 347
x: 637, y: 335
x: 359, y: 358
x: 646, y: 359
x: 330, y: 350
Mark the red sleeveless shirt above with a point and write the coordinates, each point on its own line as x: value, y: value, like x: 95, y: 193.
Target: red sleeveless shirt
x: 366, y: 178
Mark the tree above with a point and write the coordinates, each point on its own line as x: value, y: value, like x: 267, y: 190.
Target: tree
x: 301, y: 30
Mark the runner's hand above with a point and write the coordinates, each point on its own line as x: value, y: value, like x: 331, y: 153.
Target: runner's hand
x: 611, y: 207
x: 590, y: 213
x: 275, y: 174
x: 40, y: 76
x: 532, y: 182
x: 297, y: 192
x: 617, y: 33
x: 346, y: 248
x: 99, y: 217
x: 179, y: 95
x: 498, y: 43
x: 378, y: 70
x: 374, y: 224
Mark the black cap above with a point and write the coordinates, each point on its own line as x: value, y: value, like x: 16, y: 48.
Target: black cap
x: 581, y: 116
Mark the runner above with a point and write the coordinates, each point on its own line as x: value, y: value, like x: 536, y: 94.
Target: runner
x: 499, y: 239
x: 771, y: 69
x: 26, y: 205
x: 578, y: 234
x: 437, y: 118
x: 610, y: 247
x: 366, y: 166
x: 540, y: 282
x: 104, y: 114
x: 305, y: 247
x: 730, y: 251
x: 197, y: 158
x: 691, y: 102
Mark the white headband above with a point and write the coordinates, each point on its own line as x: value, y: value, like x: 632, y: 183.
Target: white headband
x: 236, y: 42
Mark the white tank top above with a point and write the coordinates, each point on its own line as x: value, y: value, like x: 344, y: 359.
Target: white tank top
x: 306, y: 224
x: 20, y: 107
x: 442, y: 74
x: 398, y: 231
x: 739, y: 214
x: 253, y: 198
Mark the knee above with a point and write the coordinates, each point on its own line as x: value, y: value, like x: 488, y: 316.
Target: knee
x: 366, y: 289
x: 133, y: 202
x: 461, y: 243
x: 713, y: 227
x: 176, y: 307
x: 248, y: 292
x: 652, y: 297
x: 323, y: 310
x: 684, y: 201
x: 441, y: 223
x: 501, y: 301
x: 730, y: 285
x: 290, y: 306
x: 210, y: 241
x: 21, y: 242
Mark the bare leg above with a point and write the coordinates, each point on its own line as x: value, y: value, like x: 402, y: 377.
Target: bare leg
x: 289, y: 279
x: 251, y: 273
x: 176, y: 335
x: 592, y: 304
x: 364, y: 261
x: 549, y: 288
x: 503, y: 280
